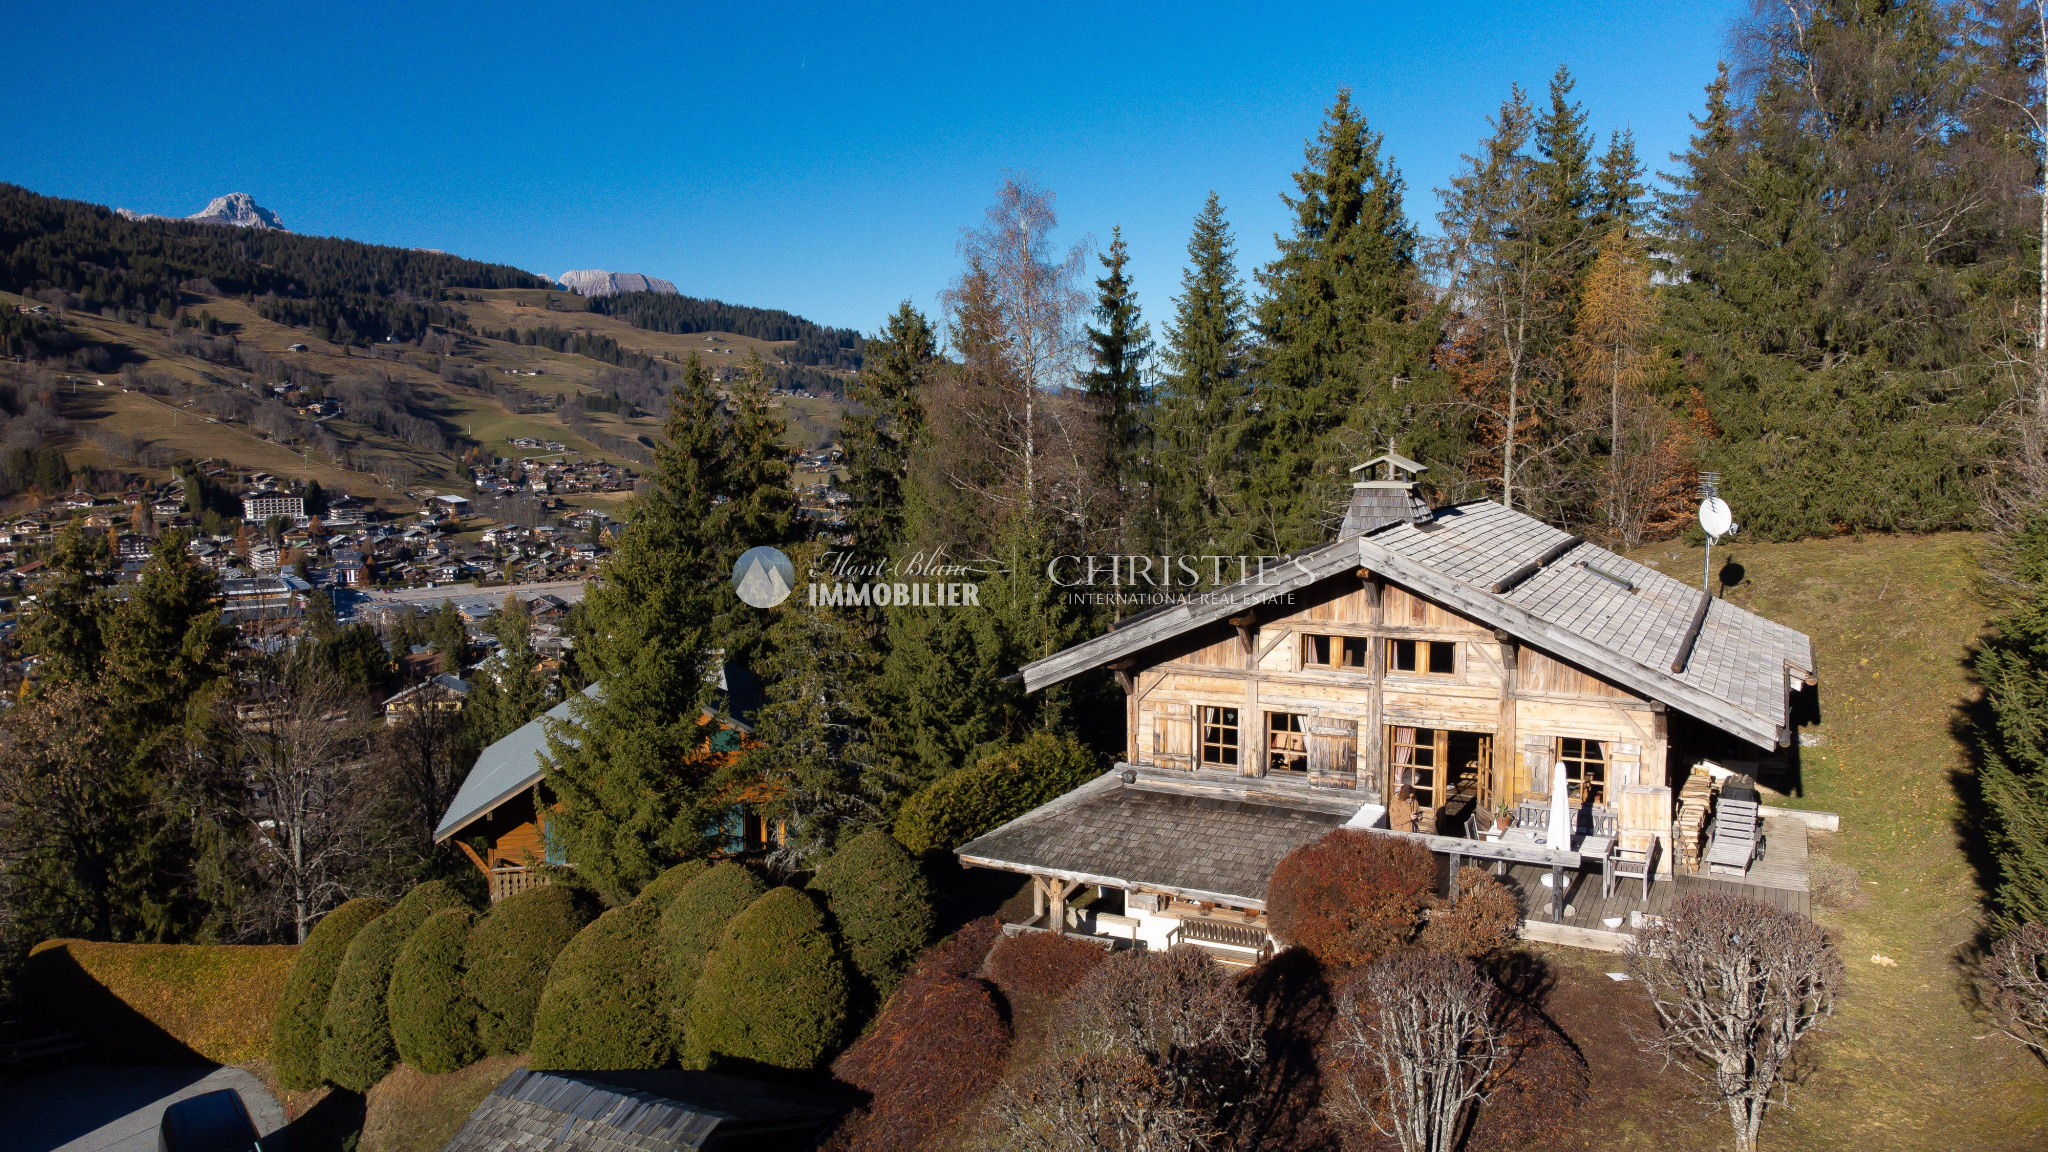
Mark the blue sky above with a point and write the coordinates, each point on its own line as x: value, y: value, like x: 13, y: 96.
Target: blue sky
x: 819, y: 158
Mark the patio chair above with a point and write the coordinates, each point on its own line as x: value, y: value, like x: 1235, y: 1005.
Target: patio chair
x: 1736, y: 837
x: 1632, y: 857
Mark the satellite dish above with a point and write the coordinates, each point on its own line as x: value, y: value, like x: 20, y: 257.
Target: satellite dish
x: 1715, y: 517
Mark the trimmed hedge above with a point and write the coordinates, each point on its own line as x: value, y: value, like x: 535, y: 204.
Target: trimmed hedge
x: 692, y: 923
x: 667, y: 886
x: 773, y: 992
x: 963, y: 953
x: 433, y: 1023
x: 1350, y: 896
x: 937, y: 1048
x: 1004, y: 785
x: 1040, y: 964
x: 355, y: 1034
x: 508, y: 956
x: 295, y: 1037
x: 1486, y: 917
x: 603, y: 1004
x: 882, y: 905
x: 157, y: 1003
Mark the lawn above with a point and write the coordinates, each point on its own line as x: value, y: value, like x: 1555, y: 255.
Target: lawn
x: 1904, y: 1064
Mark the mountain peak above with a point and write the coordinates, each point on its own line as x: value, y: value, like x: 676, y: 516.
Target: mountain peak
x: 596, y: 282
x: 238, y: 209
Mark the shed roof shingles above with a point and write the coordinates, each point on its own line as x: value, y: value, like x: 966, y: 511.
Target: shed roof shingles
x: 1157, y: 838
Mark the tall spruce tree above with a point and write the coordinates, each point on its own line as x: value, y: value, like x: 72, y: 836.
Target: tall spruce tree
x: 1202, y: 394
x: 508, y: 690
x: 1344, y: 322
x: 883, y: 426
x: 166, y: 648
x: 1619, y: 187
x: 1843, y: 276
x: 2011, y: 734
x: 1119, y: 343
x: 634, y: 767
x: 65, y: 629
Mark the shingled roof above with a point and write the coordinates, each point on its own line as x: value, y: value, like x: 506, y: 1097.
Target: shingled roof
x: 1204, y: 840
x: 660, y: 1111
x: 1628, y: 625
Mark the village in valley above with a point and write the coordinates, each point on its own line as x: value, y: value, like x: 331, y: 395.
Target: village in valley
x: 1527, y: 642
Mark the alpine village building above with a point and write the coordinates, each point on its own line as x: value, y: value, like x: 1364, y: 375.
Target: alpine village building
x: 1423, y: 675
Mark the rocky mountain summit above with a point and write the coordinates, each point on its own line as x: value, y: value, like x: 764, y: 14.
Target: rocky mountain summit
x: 596, y: 282
x: 236, y: 208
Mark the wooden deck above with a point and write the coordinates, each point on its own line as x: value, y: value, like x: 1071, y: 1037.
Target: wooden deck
x: 1779, y: 878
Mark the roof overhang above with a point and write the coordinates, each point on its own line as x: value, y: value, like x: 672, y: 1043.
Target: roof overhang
x: 1307, y: 568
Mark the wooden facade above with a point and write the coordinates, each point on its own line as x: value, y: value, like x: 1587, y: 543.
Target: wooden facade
x: 1361, y: 684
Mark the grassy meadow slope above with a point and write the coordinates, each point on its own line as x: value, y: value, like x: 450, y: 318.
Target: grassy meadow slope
x: 465, y: 415
x: 1904, y: 1064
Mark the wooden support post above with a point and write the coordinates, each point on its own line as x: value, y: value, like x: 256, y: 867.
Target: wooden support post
x: 1244, y: 625
x: 1128, y: 681
x: 1556, y: 894
x: 1457, y: 861
x: 1060, y: 891
x: 1037, y: 898
x: 1504, y: 753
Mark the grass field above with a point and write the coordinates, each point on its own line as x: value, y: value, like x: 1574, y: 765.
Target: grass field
x: 465, y: 413
x: 1904, y: 1064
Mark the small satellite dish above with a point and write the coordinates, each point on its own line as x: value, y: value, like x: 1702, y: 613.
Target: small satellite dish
x: 1715, y: 517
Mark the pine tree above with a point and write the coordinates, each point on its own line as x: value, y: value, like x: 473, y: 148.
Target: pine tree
x: 1117, y: 352
x: 883, y: 427
x: 65, y: 628
x: 1565, y: 176
x: 166, y: 648
x: 813, y: 735
x: 508, y: 690
x: 2011, y: 733
x: 633, y: 765
x: 1619, y: 183
x: 1344, y: 325
x: 1203, y: 394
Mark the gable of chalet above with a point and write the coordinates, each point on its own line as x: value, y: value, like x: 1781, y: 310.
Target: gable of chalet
x: 1542, y: 587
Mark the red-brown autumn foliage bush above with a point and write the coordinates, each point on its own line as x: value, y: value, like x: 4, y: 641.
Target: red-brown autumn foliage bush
x: 938, y: 1046
x: 1041, y: 964
x: 1531, y: 1101
x: 1351, y: 896
x: 1485, y: 918
x: 962, y: 953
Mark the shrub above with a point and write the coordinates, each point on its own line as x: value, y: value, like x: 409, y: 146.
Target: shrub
x: 2015, y: 975
x: 882, y: 906
x: 1002, y: 786
x: 962, y: 953
x: 774, y: 991
x: 691, y: 925
x: 295, y: 1037
x: 1156, y: 1049
x: 939, y: 1045
x: 433, y: 1023
x: 1350, y: 896
x: 1041, y: 964
x: 603, y: 1006
x: 669, y: 884
x: 156, y: 1003
x: 1486, y: 917
x: 508, y: 957
x: 1416, y: 1041
x: 355, y: 1034
x: 1530, y: 1103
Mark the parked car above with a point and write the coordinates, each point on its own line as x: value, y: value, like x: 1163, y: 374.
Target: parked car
x: 215, y: 1122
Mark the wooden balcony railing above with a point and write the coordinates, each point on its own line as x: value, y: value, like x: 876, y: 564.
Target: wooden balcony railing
x: 512, y: 879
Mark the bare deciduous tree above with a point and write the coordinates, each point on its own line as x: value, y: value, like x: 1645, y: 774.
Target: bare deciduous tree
x: 1021, y: 303
x: 1157, y: 1051
x: 1736, y: 984
x: 67, y: 816
x: 301, y: 741
x: 1417, y: 1038
x: 2016, y: 979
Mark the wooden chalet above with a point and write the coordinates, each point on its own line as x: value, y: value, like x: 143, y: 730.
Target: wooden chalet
x: 1423, y: 674
x: 500, y: 815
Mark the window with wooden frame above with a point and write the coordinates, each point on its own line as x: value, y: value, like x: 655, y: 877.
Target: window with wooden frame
x: 1334, y: 651
x: 1286, y: 742
x: 1219, y: 736
x: 1414, y: 755
x: 1585, y: 768
x: 1422, y: 657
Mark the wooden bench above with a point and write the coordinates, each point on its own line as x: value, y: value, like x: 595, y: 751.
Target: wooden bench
x: 55, y: 1044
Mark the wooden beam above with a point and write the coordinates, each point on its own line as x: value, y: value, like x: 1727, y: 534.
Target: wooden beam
x: 1244, y: 625
x: 1556, y: 894
x: 1692, y: 633
x: 1550, y: 556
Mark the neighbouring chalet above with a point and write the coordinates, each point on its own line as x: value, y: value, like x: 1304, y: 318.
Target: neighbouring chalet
x: 1424, y: 674
x: 501, y: 817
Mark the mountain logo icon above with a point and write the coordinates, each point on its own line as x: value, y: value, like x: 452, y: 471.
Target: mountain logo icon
x: 763, y: 576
